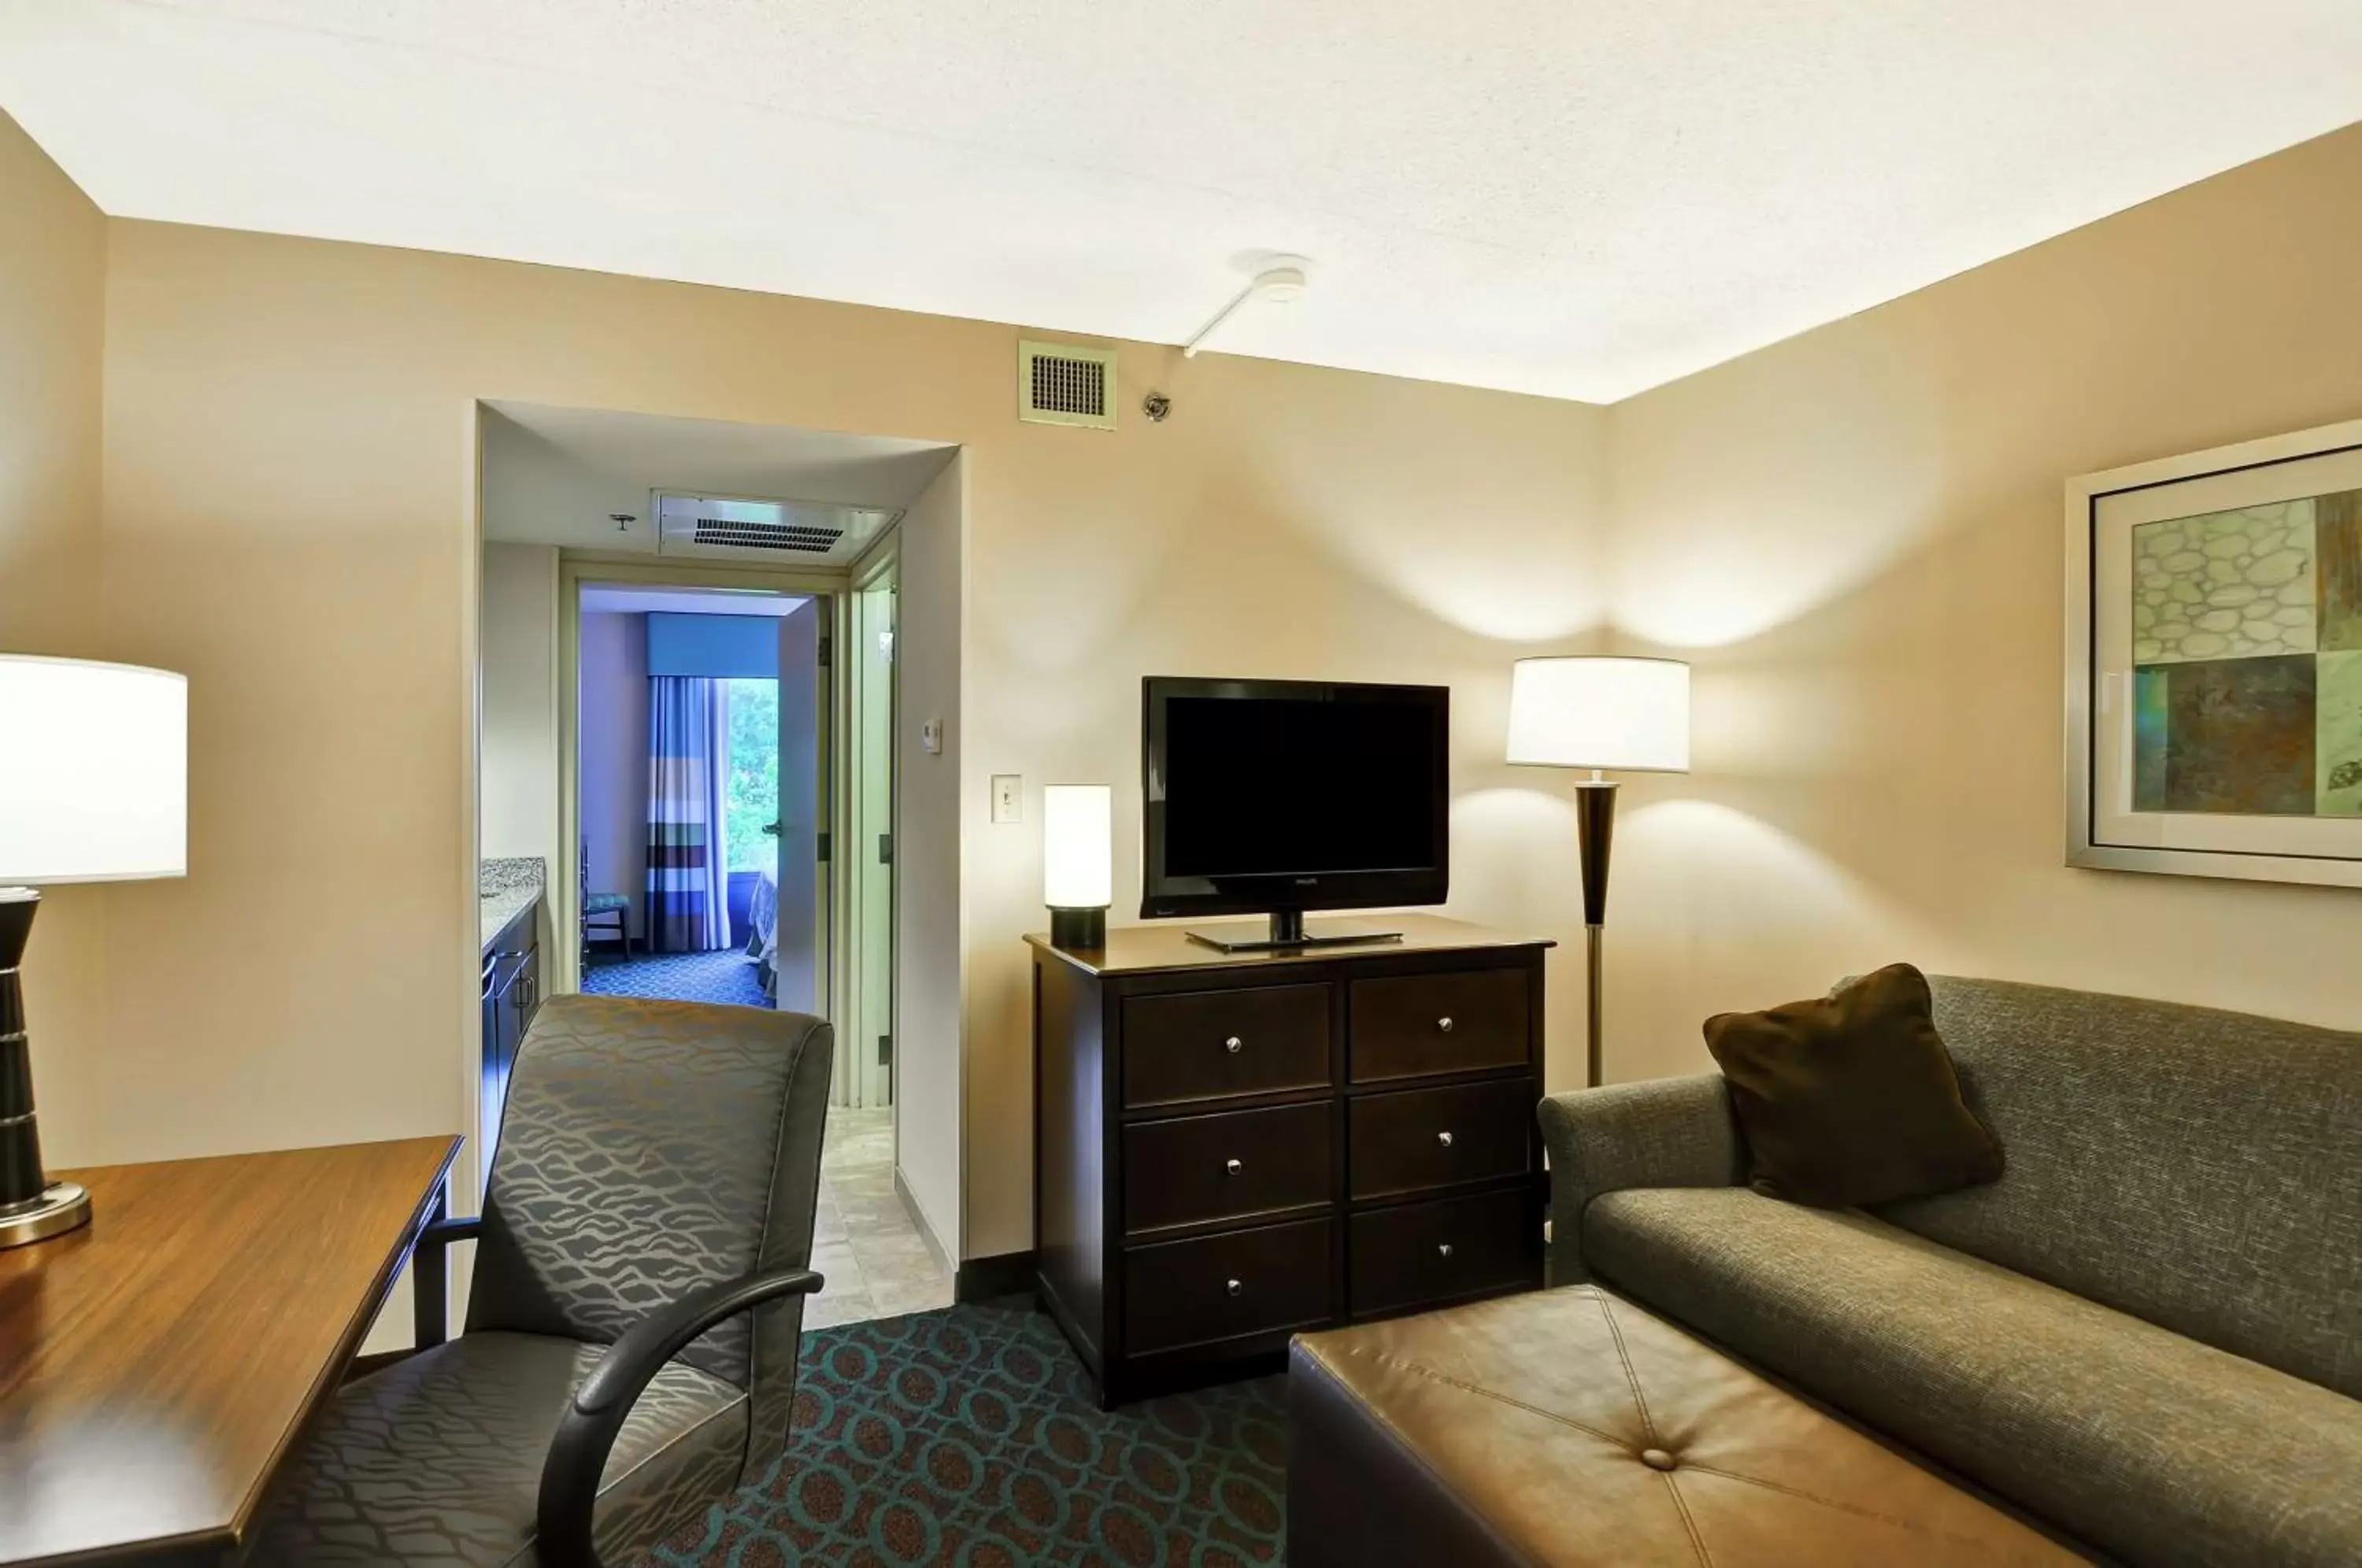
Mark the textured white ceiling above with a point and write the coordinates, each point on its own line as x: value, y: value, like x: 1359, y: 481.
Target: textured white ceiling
x: 1576, y: 197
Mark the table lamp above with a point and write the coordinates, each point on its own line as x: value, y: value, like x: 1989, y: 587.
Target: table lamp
x: 1599, y: 713
x: 95, y: 788
x: 1077, y: 862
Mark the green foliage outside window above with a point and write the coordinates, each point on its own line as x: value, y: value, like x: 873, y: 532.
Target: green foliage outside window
x: 754, y: 785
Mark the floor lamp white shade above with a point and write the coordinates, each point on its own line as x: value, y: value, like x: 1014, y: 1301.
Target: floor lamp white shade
x: 94, y: 771
x: 1628, y: 714
x: 1599, y: 713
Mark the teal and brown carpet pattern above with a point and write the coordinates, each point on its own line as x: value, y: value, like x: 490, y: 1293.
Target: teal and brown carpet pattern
x: 967, y: 1438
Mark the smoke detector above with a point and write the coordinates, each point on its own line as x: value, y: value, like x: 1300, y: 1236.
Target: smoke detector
x: 1280, y: 281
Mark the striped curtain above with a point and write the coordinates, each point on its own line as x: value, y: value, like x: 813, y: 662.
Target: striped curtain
x: 689, y: 739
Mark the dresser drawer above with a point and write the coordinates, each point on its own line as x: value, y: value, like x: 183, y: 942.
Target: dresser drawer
x: 1207, y: 1045
x: 1436, y: 1251
x: 1411, y: 1140
x: 1409, y: 1026
x: 1232, y: 1166
x: 1240, y: 1282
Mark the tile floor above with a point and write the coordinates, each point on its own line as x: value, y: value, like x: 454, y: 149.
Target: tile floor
x: 864, y: 1242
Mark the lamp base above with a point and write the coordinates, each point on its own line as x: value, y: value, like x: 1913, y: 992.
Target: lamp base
x: 63, y: 1206
x: 1078, y: 929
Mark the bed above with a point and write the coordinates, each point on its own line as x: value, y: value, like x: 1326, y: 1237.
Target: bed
x: 763, y: 938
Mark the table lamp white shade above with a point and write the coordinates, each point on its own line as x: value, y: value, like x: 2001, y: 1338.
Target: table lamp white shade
x: 94, y: 771
x: 1077, y: 846
x: 1596, y: 710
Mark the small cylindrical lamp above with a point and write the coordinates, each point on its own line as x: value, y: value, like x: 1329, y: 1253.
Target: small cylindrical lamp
x: 93, y: 788
x: 1078, y: 861
x: 1598, y: 712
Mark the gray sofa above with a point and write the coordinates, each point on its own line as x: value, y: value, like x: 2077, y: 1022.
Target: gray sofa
x: 2146, y: 1335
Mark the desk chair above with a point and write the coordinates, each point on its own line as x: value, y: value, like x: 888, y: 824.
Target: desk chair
x: 630, y: 1351
x: 601, y: 908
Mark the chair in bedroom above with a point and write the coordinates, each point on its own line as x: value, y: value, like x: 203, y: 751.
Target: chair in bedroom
x: 603, y: 914
x: 630, y: 1351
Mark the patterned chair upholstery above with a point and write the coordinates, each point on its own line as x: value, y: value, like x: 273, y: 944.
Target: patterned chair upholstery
x: 658, y: 1171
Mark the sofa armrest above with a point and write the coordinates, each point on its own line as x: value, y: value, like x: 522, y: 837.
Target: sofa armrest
x: 1660, y: 1132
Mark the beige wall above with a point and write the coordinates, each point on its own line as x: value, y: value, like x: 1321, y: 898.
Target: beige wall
x: 929, y: 1024
x: 53, y: 299
x: 518, y: 745
x: 290, y: 486
x: 612, y: 655
x: 1857, y: 535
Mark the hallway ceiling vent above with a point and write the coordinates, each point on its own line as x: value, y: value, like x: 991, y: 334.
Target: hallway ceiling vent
x: 714, y: 527
x: 1059, y: 383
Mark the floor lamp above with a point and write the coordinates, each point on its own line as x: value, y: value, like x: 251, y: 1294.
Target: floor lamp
x: 1599, y: 713
x: 93, y: 787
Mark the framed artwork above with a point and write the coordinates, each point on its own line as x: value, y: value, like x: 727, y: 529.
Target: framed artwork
x: 2214, y: 662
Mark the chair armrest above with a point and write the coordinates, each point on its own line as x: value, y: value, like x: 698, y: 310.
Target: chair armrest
x: 586, y: 1434
x: 1661, y: 1132
x: 430, y: 1277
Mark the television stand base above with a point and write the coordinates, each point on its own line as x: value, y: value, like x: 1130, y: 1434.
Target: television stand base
x: 1286, y: 934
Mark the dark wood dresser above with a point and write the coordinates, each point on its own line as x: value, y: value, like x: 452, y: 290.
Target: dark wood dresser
x: 1230, y: 1148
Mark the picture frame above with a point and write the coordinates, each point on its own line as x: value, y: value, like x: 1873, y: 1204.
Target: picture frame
x: 2214, y: 700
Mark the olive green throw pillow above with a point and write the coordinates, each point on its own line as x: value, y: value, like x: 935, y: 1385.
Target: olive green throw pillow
x: 1852, y: 1098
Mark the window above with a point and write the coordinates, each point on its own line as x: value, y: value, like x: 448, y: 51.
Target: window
x: 753, y: 801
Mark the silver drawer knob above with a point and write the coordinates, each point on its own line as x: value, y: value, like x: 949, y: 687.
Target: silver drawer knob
x: 1444, y: 1024
x: 1232, y: 1166
x: 1444, y: 1139
x: 1444, y: 1251
x: 1233, y: 1289
x: 1233, y: 1044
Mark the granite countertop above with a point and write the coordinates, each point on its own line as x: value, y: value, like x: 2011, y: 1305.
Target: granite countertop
x: 504, y: 890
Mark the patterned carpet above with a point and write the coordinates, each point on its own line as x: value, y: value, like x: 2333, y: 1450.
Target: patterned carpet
x: 725, y: 976
x: 966, y: 1438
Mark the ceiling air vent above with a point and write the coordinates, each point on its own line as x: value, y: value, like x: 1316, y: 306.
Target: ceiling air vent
x: 767, y: 536
x: 726, y: 527
x: 1058, y: 383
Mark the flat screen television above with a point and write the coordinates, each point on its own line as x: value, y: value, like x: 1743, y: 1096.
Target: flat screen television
x: 1282, y: 796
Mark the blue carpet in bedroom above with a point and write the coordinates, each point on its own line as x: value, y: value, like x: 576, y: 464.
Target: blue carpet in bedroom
x: 725, y: 976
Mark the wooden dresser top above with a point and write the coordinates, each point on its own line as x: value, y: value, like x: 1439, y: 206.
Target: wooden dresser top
x: 1149, y: 949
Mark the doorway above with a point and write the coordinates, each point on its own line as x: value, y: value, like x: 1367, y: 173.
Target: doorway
x: 587, y: 514
x: 865, y: 1074
x: 702, y: 717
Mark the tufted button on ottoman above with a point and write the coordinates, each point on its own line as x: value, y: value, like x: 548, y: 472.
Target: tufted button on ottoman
x: 1570, y: 1428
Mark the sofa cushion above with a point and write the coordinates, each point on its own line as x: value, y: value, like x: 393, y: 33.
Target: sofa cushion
x: 2142, y: 1441
x: 1852, y: 1097
x: 2200, y: 1169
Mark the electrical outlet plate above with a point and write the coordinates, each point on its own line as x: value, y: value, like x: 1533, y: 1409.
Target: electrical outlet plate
x: 931, y: 735
x: 1008, y: 798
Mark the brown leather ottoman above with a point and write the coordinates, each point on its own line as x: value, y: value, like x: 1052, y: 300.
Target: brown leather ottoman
x: 1569, y: 1426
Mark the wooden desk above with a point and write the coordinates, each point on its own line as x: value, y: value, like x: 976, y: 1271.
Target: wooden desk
x: 157, y: 1366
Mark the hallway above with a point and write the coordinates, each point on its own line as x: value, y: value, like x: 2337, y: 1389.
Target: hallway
x: 864, y: 1241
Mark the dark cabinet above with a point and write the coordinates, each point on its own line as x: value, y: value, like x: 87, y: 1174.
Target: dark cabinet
x: 511, y: 990
x: 1231, y: 1148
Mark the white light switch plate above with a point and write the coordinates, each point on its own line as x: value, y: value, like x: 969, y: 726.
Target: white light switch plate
x: 1008, y: 798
